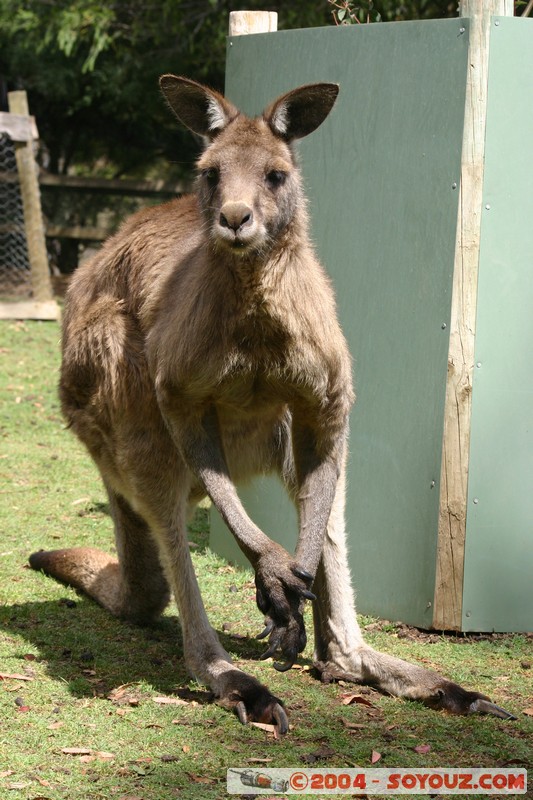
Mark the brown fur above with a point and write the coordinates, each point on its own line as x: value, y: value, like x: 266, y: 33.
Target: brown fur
x: 201, y: 347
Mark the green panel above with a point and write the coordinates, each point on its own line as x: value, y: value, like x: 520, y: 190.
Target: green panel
x: 381, y: 175
x: 498, y: 579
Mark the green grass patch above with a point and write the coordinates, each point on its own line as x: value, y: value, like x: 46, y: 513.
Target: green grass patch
x: 83, y: 720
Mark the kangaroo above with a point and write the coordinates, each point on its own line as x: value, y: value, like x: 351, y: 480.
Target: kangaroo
x: 201, y: 347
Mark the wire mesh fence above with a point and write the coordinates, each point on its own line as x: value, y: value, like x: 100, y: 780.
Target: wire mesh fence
x: 15, y: 274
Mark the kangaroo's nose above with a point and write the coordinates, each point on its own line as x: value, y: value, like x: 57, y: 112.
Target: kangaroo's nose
x: 235, y: 216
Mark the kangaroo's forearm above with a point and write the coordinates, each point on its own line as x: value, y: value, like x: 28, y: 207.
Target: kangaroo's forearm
x: 315, y: 499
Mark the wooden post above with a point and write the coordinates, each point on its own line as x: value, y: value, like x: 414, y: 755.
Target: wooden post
x: 447, y: 612
x: 31, y: 200
x: 244, y: 22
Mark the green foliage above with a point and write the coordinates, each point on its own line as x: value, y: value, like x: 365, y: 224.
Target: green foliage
x: 91, y: 69
x: 350, y: 12
x: 346, y: 12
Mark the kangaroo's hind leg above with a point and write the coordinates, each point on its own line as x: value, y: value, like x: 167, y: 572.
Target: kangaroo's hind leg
x: 341, y: 652
x: 133, y: 586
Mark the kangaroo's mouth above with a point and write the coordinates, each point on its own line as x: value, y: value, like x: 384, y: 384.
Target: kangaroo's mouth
x: 239, y: 242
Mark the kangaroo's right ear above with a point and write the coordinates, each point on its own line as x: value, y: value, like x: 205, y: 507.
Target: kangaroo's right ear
x: 200, y: 109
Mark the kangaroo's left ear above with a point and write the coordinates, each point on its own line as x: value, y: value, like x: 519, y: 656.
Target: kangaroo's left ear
x: 300, y: 112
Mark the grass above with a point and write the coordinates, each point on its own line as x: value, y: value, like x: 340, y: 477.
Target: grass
x: 92, y: 681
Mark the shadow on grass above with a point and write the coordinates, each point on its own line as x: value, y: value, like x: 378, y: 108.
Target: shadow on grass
x: 92, y: 652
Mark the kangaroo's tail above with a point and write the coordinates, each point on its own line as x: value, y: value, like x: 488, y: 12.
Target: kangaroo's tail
x: 93, y: 571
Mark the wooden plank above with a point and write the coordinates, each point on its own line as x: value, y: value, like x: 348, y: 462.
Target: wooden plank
x: 19, y: 127
x: 29, y: 309
x: 105, y: 186
x: 80, y: 232
x: 9, y: 177
x: 242, y: 23
x: 31, y: 200
x: 447, y: 611
x: 12, y: 227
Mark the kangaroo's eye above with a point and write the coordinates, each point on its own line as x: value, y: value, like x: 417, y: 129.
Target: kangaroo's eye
x: 276, y: 178
x: 211, y: 175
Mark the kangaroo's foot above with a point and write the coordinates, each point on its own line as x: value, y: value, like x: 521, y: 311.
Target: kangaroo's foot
x: 251, y: 701
x: 402, y: 679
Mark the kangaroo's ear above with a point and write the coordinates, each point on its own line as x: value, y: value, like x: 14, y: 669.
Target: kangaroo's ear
x: 300, y: 112
x: 200, y: 109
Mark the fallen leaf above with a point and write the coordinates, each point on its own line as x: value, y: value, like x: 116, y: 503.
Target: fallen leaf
x: 375, y: 757
x: 348, y: 699
x: 263, y: 726
x: 29, y: 657
x: 186, y: 748
x: 200, y: 778
x: 76, y: 751
x: 23, y: 709
x: 121, y: 696
x: 6, y: 676
x: 87, y: 759
x: 18, y: 785
x: 259, y: 760
x: 169, y: 758
x: 353, y: 725
x: 170, y: 701
x: 104, y: 755
x: 512, y: 762
x: 80, y: 500
x: 54, y: 726
x: 528, y: 712
x: 7, y: 773
x: 422, y: 748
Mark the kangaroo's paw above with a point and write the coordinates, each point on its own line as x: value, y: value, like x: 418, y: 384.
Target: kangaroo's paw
x: 282, y: 586
x: 251, y: 701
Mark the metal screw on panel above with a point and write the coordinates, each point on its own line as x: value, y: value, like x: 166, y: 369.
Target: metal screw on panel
x: 433, y: 484
x: 488, y: 206
x: 468, y: 614
x: 443, y: 326
x: 496, y: 22
x: 454, y: 185
x: 476, y: 501
x: 462, y: 30
x: 478, y: 365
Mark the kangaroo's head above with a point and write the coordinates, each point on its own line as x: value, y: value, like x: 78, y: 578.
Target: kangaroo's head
x: 248, y: 182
